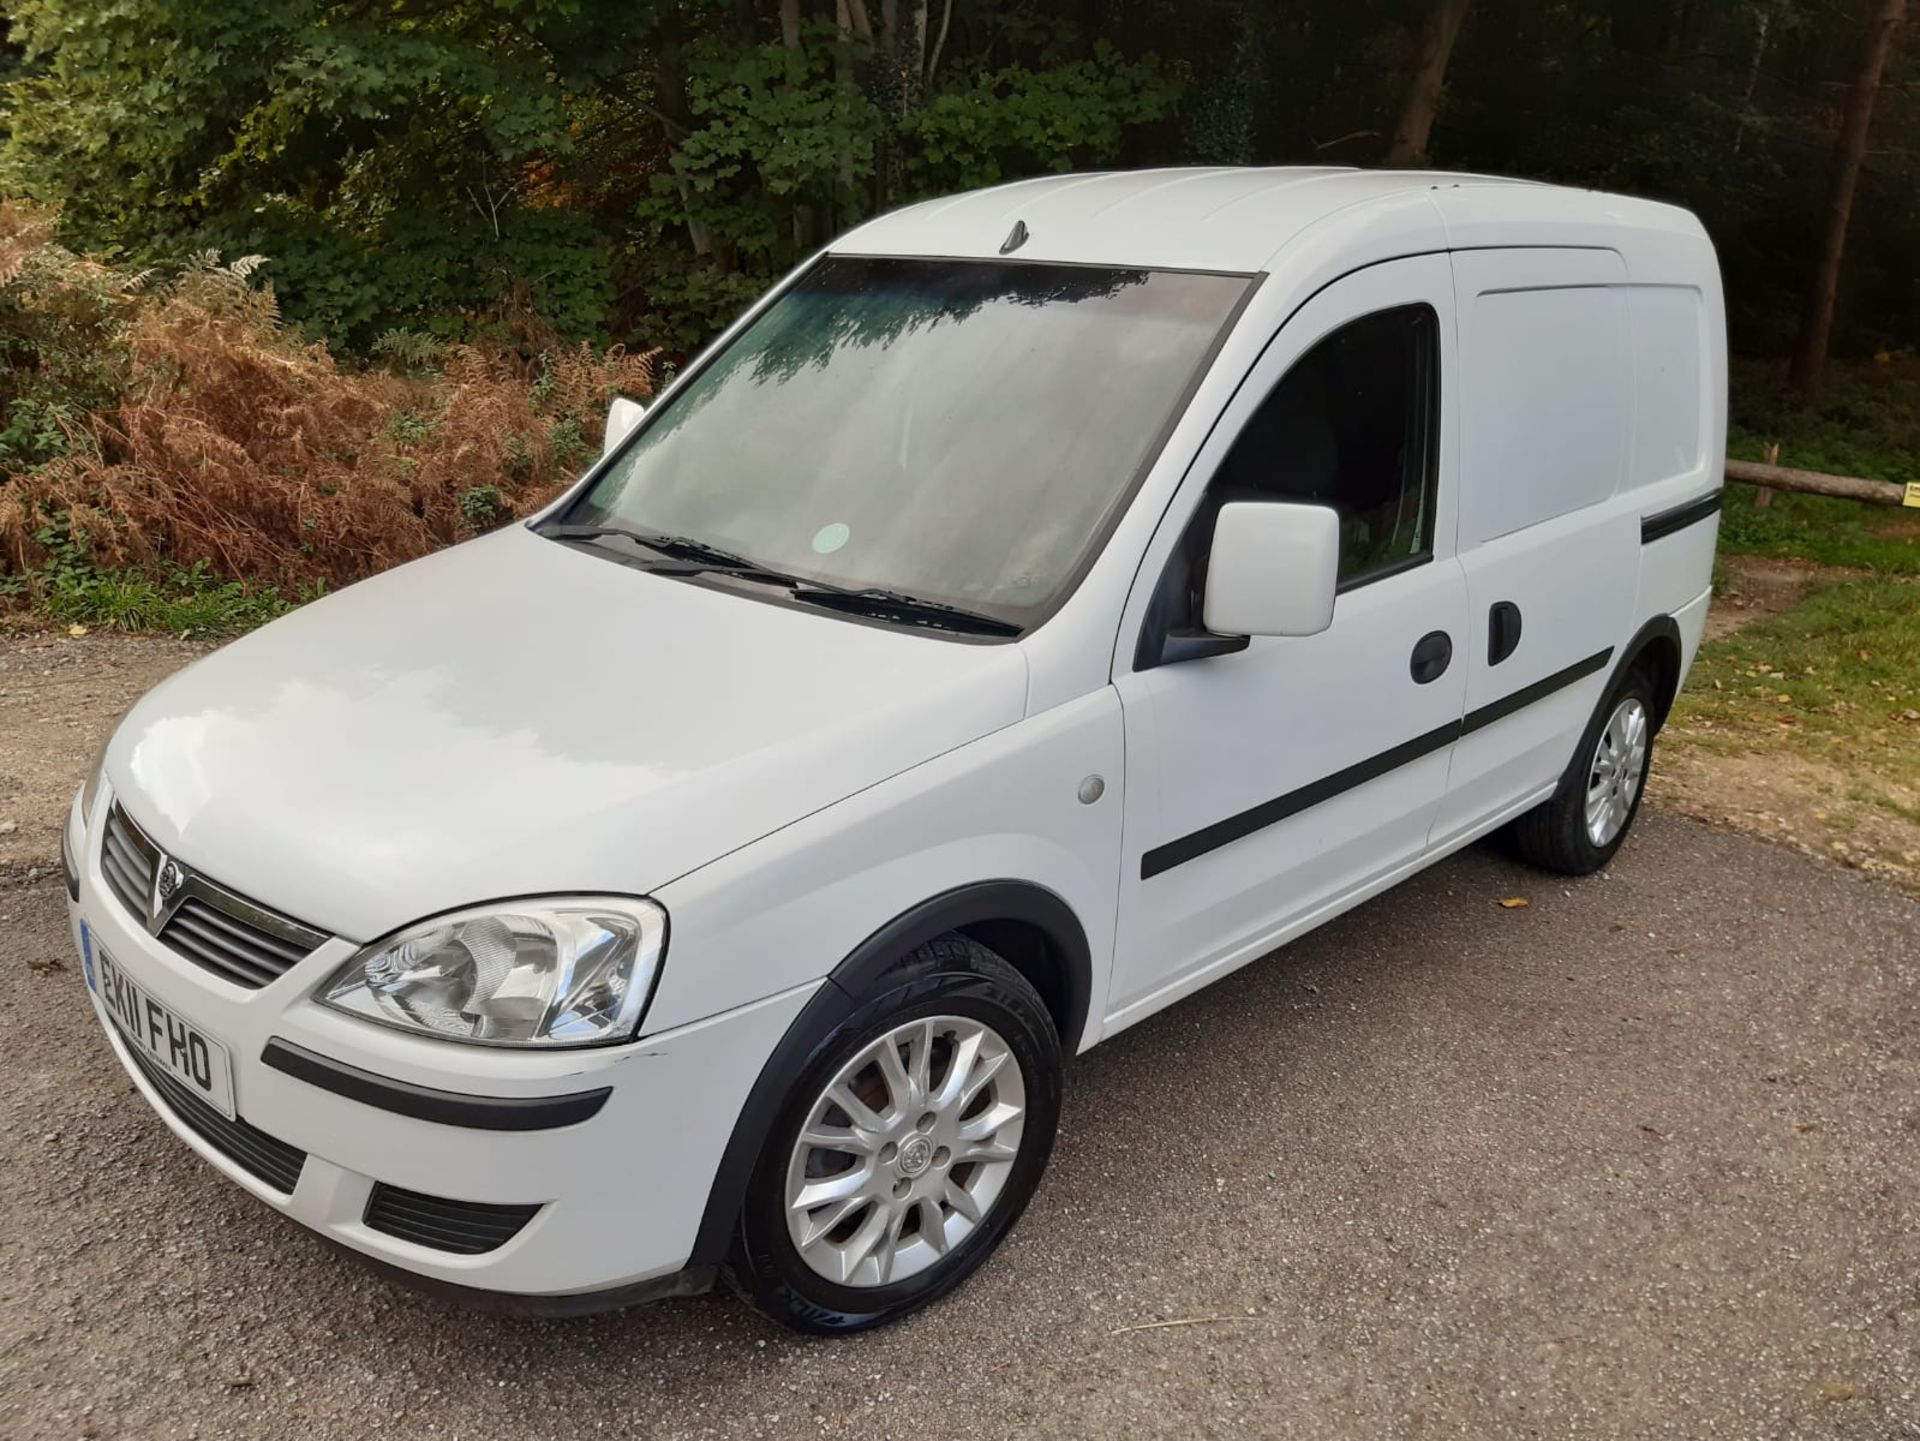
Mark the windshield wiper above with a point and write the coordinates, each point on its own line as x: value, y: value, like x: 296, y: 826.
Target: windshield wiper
x: 697, y: 553
x: 880, y: 602
x: 877, y: 601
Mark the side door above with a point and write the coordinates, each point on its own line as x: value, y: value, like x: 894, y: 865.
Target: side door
x: 1549, y: 544
x: 1269, y: 780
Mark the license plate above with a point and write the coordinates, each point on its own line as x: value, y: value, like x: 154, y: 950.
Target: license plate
x: 175, y: 1044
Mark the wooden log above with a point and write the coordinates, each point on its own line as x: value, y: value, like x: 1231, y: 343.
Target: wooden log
x: 1812, y: 482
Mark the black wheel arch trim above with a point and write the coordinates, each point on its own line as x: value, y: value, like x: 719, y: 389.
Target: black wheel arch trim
x: 842, y: 993
x: 1661, y: 627
x: 425, y: 1103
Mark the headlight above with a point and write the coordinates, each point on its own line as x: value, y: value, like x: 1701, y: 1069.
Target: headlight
x: 563, y: 972
x: 90, y: 787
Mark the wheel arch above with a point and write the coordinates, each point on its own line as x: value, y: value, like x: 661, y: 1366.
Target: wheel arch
x: 1656, y: 651
x: 1029, y: 926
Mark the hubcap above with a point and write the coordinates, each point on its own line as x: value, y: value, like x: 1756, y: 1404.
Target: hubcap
x: 1613, y: 781
x: 906, y: 1151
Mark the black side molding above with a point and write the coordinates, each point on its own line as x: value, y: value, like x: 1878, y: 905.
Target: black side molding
x: 1653, y: 527
x: 1500, y: 709
x: 1257, y: 818
x: 424, y: 1103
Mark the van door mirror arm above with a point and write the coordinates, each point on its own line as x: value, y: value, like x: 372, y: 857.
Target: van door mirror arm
x: 1183, y: 643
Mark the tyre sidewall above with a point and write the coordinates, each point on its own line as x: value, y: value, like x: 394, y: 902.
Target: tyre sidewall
x: 1573, y: 798
x: 770, y: 1268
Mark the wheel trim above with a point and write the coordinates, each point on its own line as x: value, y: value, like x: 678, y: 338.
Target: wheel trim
x: 1613, y: 778
x: 905, y: 1151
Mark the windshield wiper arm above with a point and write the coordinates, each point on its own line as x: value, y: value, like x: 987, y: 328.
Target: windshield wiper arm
x: 675, y: 547
x: 879, y: 601
x: 866, y: 600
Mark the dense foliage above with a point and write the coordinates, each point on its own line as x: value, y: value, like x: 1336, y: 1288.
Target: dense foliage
x: 480, y: 218
x: 633, y: 172
x: 178, y: 457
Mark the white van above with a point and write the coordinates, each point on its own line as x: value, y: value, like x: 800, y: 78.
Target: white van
x: 1042, y: 603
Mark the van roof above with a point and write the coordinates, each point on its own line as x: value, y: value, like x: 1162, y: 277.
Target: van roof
x: 1237, y: 219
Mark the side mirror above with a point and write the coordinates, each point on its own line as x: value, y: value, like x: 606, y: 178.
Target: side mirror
x: 1272, y: 569
x: 622, y: 416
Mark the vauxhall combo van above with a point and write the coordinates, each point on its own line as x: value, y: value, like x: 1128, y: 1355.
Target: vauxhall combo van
x: 1043, y: 602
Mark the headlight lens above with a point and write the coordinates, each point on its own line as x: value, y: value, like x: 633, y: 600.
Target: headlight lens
x: 564, y: 972
x: 90, y: 787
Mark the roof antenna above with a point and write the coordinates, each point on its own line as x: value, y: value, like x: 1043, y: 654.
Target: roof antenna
x: 1016, y: 238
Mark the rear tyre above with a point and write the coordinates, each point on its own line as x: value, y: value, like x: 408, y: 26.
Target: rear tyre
x: 1578, y: 829
x: 907, y: 1147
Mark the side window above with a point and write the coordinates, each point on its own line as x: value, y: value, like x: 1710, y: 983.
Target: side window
x: 1354, y: 425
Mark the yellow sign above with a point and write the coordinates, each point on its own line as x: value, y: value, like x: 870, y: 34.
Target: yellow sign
x: 1913, y: 493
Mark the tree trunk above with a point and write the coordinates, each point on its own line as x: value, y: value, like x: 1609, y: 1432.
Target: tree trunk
x: 805, y: 226
x: 670, y: 99
x: 1761, y: 25
x: 1437, y: 37
x: 845, y: 206
x: 939, y: 44
x: 1849, y: 153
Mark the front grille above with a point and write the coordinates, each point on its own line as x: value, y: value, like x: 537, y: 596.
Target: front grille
x: 215, y: 929
x: 266, y: 1158
x: 466, y: 1228
x: 228, y: 946
x: 127, y: 863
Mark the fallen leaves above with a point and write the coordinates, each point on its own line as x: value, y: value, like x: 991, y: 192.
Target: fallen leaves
x: 1513, y: 903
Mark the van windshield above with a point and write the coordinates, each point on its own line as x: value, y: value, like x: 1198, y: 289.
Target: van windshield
x: 955, y: 432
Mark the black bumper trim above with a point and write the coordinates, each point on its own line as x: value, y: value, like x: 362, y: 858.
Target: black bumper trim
x: 424, y: 1103
x: 694, y: 1280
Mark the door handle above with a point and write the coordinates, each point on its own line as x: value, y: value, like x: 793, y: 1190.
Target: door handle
x: 1431, y: 656
x: 1503, y: 631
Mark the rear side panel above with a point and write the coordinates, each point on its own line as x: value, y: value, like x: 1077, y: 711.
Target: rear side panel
x: 1546, y: 428
x: 1678, y: 458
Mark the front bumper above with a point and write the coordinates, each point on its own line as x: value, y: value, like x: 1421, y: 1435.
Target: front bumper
x: 620, y: 1194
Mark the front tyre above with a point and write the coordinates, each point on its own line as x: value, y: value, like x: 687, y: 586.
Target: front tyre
x: 907, y: 1147
x: 1577, y: 831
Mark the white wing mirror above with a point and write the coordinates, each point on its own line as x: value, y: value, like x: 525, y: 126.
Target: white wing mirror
x: 622, y: 416
x: 1272, y: 569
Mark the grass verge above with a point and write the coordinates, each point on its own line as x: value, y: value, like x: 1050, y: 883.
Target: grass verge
x: 1807, y: 725
x: 72, y: 590
x: 1822, y: 529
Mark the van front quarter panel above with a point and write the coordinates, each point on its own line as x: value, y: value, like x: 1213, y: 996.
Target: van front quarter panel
x: 1012, y: 805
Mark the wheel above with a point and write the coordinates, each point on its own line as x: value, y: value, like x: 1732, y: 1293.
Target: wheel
x: 1577, y: 830
x: 907, y: 1148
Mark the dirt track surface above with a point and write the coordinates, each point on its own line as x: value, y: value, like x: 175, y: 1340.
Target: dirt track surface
x: 1638, y: 1159
x: 59, y: 696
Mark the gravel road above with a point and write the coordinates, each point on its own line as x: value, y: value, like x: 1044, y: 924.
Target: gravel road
x: 1641, y: 1158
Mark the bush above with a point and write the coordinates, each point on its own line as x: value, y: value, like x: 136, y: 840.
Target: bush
x: 200, y: 443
